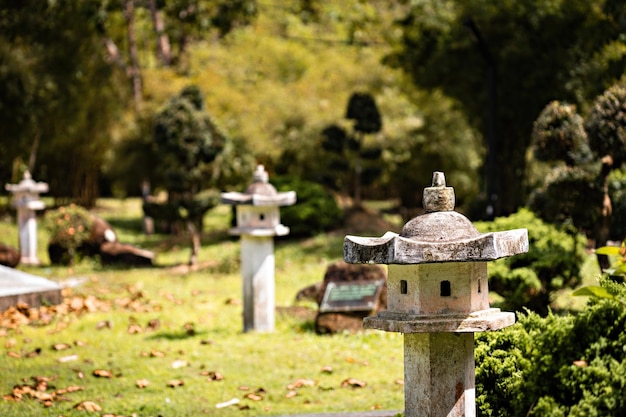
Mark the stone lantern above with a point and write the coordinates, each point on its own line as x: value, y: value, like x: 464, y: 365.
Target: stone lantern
x: 438, y: 297
x: 26, y: 200
x: 258, y: 221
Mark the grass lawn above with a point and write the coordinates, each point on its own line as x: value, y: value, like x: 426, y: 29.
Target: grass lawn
x: 156, y: 341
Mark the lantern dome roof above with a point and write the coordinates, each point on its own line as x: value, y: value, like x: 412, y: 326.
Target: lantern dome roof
x: 439, y: 235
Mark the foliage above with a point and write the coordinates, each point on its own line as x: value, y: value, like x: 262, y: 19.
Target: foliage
x: 315, y: 211
x: 570, y: 196
x: 559, y: 134
x: 69, y: 227
x: 62, y: 96
x: 606, y: 124
x: 453, y: 45
x: 552, y: 263
x: 557, y: 366
x: 582, y: 193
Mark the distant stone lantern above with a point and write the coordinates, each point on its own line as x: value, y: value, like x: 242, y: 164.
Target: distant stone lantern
x: 26, y: 200
x: 438, y: 297
x: 258, y: 221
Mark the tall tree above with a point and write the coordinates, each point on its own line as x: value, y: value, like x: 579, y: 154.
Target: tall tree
x: 537, y: 51
x: 60, y: 94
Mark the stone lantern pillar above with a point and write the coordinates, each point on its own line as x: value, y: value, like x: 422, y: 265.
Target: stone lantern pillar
x: 26, y: 200
x: 438, y: 296
x: 258, y: 221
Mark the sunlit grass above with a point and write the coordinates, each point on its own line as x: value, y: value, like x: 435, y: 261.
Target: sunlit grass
x: 199, y: 316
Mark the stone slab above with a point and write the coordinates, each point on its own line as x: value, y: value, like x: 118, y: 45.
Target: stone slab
x: 17, y: 286
x: 479, y: 321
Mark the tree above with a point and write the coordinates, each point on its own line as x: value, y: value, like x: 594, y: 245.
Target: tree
x: 187, y: 142
x: 528, y: 52
x: 60, y: 94
x: 578, y: 193
x: 348, y: 154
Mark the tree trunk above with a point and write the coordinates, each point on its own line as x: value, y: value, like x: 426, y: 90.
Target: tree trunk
x: 133, y: 71
x: 195, y: 242
x: 32, y: 159
x: 164, y: 51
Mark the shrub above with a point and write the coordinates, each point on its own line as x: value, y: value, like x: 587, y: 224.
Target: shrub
x: 315, y: 211
x: 69, y: 227
x: 557, y: 366
x: 553, y: 262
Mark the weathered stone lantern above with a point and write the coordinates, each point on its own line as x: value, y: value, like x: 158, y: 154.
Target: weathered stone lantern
x: 438, y: 297
x: 26, y: 200
x: 258, y: 221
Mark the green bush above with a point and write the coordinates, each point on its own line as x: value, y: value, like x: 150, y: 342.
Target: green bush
x: 557, y: 366
x: 69, y: 228
x: 315, y: 210
x: 530, y: 280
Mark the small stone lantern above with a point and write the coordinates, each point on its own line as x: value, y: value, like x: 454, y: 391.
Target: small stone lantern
x: 26, y: 200
x: 258, y: 221
x: 438, y: 296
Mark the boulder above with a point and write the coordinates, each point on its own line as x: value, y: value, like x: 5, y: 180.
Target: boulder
x: 116, y: 253
x: 336, y: 322
x: 9, y: 256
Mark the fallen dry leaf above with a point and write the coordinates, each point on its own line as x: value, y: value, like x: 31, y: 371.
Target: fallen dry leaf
x: 14, y: 355
x: 102, y: 373
x: 157, y: 354
x: 134, y: 329
x: 254, y: 397
x: 291, y: 394
x: 354, y: 383
x: 300, y: 383
x: 399, y: 381
x: 69, y: 358
x: 179, y: 363
x: 327, y: 369
x: 104, y: 324
x: 212, y: 375
x: 173, y: 383
x: 580, y: 363
x: 88, y: 406
x: 142, y: 383
x: 61, y: 346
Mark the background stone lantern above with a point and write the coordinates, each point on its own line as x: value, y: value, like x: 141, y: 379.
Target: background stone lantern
x: 26, y: 200
x: 258, y: 221
x: 438, y: 297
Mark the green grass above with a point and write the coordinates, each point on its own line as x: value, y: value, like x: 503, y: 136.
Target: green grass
x: 208, y: 301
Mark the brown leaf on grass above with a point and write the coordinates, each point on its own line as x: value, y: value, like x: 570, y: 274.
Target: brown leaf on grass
x: 253, y: 397
x: 104, y: 324
x: 580, y: 363
x: 61, y: 346
x: 157, y: 354
x: 142, y: 383
x: 212, y: 375
x: 357, y: 361
x: 353, y: 383
x: 102, y: 373
x: 134, y: 329
x: 153, y: 325
x: 173, y: 383
x: 300, y: 383
x: 327, y: 370
x: 89, y: 406
x: 291, y: 394
x: 399, y: 381
x: 14, y: 354
x: 69, y: 358
x: 243, y: 388
x: 34, y: 353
